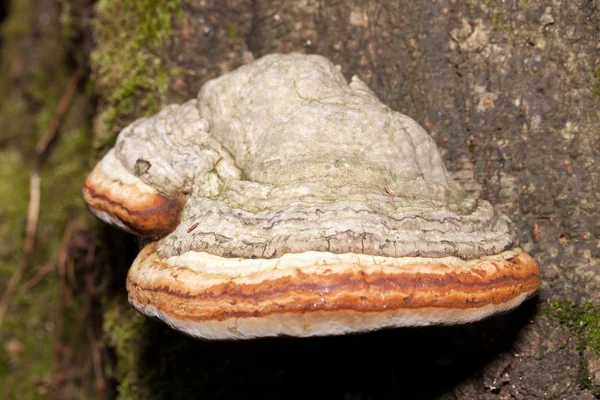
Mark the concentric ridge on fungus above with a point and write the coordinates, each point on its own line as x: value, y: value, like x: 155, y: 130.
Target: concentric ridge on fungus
x: 290, y: 202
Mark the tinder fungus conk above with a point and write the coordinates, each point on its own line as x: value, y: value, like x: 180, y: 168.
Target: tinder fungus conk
x: 289, y: 202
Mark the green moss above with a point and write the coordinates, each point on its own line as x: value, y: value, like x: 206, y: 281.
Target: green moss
x: 470, y: 146
x: 232, y: 32
x: 32, y: 315
x: 131, y: 76
x: 596, y: 86
x: 13, y: 182
x: 124, y: 327
x: 22, y: 373
x: 584, y: 323
x: 34, y: 71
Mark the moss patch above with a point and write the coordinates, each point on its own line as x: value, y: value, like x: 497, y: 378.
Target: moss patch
x: 34, y: 70
x: 584, y: 323
x: 131, y: 75
x: 124, y: 327
x: 596, y: 86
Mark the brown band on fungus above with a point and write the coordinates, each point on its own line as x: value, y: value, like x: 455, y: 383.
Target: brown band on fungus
x: 145, y: 214
x: 182, y: 296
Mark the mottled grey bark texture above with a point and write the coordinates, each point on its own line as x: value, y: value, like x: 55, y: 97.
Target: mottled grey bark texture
x: 505, y: 89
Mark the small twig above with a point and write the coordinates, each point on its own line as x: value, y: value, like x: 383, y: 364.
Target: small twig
x: 33, y: 212
x: 63, y: 253
x: 59, y: 379
x: 41, y: 274
x: 96, y: 360
x: 63, y: 262
x: 33, y: 209
x: 61, y: 110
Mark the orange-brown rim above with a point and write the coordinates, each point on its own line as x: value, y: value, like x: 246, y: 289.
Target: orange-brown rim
x: 179, y: 292
x: 152, y: 215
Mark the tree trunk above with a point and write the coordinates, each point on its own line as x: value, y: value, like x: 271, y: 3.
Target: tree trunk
x: 507, y: 89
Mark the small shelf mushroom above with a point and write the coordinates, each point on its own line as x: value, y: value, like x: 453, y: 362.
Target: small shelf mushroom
x: 289, y: 202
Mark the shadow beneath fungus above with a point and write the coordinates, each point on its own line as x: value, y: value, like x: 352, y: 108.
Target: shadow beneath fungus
x: 415, y: 363
x: 3, y: 9
x: 3, y: 14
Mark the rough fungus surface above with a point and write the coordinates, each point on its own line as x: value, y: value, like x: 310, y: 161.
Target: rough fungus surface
x: 309, y: 208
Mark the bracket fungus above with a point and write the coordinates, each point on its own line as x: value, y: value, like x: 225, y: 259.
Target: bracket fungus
x: 289, y: 202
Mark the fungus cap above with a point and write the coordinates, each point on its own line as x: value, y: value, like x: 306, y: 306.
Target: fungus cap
x: 289, y: 202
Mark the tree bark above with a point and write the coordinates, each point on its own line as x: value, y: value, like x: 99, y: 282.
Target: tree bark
x: 509, y: 90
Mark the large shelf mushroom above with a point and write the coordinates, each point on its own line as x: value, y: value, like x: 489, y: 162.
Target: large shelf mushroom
x: 289, y: 202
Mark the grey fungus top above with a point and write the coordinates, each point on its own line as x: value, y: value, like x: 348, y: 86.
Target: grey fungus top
x: 283, y: 155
